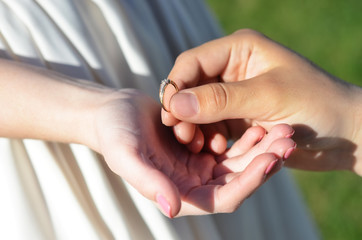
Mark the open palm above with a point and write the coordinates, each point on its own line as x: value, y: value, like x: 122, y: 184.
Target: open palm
x: 145, y: 153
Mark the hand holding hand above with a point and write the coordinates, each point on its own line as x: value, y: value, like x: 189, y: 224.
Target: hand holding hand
x: 145, y: 153
x: 125, y: 127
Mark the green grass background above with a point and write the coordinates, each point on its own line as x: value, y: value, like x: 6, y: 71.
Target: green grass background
x: 329, y: 33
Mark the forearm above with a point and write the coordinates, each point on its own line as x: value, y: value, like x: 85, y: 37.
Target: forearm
x: 40, y: 104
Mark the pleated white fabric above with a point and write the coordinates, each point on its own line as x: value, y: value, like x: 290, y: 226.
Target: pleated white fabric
x: 57, y: 191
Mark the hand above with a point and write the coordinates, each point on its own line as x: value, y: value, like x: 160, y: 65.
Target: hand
x: 140, y: 149
x: 247, y: 76
x: 125, y: 127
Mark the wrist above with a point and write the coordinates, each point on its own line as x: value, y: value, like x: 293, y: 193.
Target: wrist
x: 87, y: 112
x: 356, y: 108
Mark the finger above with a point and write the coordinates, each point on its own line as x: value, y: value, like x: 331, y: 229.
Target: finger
x: 230, y: 196
x: 231, y: 59
x: 276, y: 132
x: 252, y: 136
x: 202, y: 63
x: 193, y: 66
x: 184, y: 132
x: 227, y: 197
x: 225, y: 57
x: 197, y: 142
x: 282, y: 148
x: 259, y: 98
x: 137, y: 171
x: 215, y: 137
x: 168, y: 119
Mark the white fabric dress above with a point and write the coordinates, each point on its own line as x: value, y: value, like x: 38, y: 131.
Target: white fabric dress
x: 58, y: 191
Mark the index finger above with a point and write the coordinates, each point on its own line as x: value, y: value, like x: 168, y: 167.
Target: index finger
x: 194, y: 67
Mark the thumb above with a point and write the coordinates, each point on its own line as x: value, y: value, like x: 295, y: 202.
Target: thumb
x: 214, y: 102
x: 146, y: 179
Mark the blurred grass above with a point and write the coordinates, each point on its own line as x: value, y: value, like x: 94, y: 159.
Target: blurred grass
x: 334, y: 199
x: 329, y: 33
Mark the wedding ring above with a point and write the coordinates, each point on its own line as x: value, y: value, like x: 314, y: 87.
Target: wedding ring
x: 163, y: 87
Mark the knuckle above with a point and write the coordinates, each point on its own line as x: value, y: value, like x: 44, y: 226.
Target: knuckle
x: 184, y: 56
x: 255, y: 132
x: 249, y: 37
x: 219, y: 94
x: 248, y: 33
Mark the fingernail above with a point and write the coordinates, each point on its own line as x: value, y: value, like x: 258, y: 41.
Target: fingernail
x: 164, y: 205
x: 261, y: 137
x: 290, y: 135
x: 289, y: 152
x: 270, y: 167
x: 185, y: 104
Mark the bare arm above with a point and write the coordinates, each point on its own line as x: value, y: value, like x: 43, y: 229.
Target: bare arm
x: 41, y: 104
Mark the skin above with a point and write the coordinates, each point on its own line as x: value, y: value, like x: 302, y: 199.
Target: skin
x: 125, y: 127
x: 246, y: 79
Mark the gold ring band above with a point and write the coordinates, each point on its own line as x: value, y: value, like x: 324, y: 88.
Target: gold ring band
x: 163, y: 86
